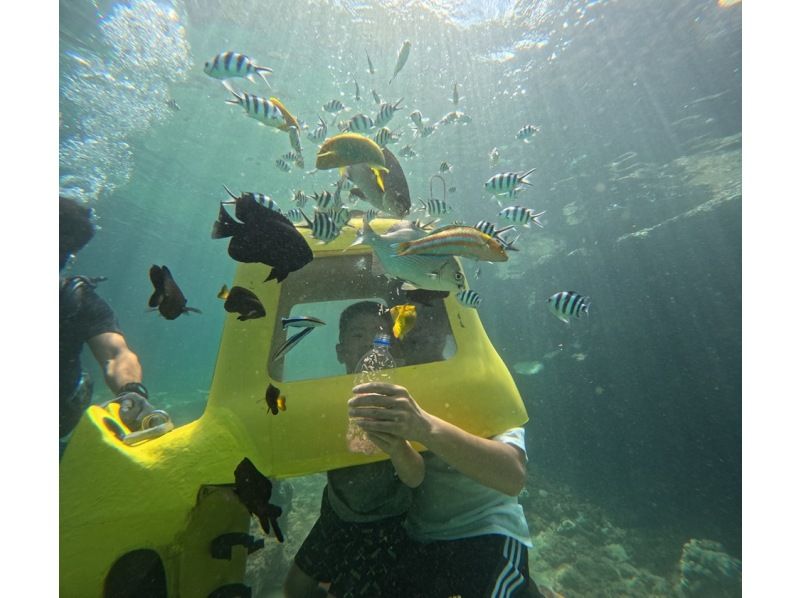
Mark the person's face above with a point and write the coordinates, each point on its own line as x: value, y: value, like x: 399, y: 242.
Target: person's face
x: 425, y: 342
x: 357, y: 338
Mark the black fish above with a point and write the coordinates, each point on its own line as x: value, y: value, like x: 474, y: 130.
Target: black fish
x: 275, y: 400
x: 263, y: 236
x: 167, y: 297
x: 242, y: 301
x: 254, y: 490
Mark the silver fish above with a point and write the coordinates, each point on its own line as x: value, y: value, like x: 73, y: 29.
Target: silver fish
x: 282, y: 165
x: 526, y: 132
x: 301, y: 322
x: 369, y: 64
x: 376, y: 97
x: 290, y: 343
x: 320, y: 132
x: 384, y: 137
x: 402, y: 57
x: 436, y: 273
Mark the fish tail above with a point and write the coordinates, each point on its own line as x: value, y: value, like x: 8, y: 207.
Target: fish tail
x: 229, y: 192
x: 263, y: 71
x: 223, y: 292
x: 239, y: 97
x: 536, y: 221
x: 522, y: 178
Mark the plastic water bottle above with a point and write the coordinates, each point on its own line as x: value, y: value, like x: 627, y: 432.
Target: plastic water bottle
x: 371, y: 368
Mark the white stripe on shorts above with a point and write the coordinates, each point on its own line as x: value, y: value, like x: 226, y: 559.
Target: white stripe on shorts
x: 510, y: 577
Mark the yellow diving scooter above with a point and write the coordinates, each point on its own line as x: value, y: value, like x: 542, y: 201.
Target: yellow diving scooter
x: 160, y: 515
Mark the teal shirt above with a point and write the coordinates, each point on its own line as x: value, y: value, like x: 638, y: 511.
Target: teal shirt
x: 450, y: 506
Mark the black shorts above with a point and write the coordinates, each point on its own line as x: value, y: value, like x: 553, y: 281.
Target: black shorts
x: 356, y: 558
x: 491, y: 566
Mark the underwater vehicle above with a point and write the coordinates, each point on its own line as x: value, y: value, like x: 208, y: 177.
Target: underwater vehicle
x: 161, y: 514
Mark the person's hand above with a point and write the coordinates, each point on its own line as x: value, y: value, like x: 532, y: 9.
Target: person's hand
x: 133, y: 408
x: 386, y: 408
x: 388, y: 443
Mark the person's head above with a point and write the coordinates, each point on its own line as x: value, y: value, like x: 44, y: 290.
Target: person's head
x: 75, y: 228
x: 427, y: 339
x: 358, y: 325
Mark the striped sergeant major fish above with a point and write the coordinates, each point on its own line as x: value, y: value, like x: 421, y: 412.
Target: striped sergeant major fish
x: 425, y: 131
x: 489, y: 228
x: 402, y: 57
x: 320, y: 132
x: 521, y: 215
x: 299, y: 198
x: 334, y: 106
x: 228, y: 65
x: 526, y: 132
x: 445, y: 166
x: 325, y: 200
x: 505, y: 182
x: 384, y: 137
x: 416, y: 118
x: 259, y: 198
x: 568, y: 304
x: 340, y: 216
x: 407, y: 152
x: 436, y: 207
x: 386, y: 112
x: 360, y: 123
x: 323, y: 227
x: 294, y: 215
x: 261, y: 109
x: 469, y: 298
x: 282, y: 165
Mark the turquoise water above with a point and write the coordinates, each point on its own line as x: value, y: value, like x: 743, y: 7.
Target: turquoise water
x: 638, y: 165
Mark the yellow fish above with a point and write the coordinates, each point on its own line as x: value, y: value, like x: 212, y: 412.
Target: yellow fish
x: 404, y: 316
x: 291, y: 121
x: 347, y: 149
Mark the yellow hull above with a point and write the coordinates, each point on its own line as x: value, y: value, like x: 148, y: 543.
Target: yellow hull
x: 171, y: 495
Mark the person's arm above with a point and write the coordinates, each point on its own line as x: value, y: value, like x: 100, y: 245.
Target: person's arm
x: 387, y: 408
x: 120, y: 364
x: 408, y: 463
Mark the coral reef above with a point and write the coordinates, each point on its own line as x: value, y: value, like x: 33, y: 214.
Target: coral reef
x: 707, y: 570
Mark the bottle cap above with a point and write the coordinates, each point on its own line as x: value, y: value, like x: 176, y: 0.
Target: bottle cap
x: 382, y: 339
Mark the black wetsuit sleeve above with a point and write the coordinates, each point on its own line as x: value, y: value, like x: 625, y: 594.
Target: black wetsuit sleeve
x: 97, y: 316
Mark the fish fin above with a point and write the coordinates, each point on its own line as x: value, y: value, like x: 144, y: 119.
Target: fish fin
x: 379, y: 179
x: 399, y: 247
x: 224, y: 226
x: 522, y: 178
x: 223, y: 292
x: 278, y: 275
x: 262, y: 72
x: 187, y: 310
x: 535, y: 219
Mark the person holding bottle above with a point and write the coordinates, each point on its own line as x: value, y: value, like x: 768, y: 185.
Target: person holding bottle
x: 359, y: 535
x: 469, y: 535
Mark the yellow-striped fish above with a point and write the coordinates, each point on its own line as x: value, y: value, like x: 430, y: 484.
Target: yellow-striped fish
x: 466, y: 241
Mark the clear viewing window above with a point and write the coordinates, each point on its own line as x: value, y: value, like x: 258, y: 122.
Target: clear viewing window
x: 354, y: 303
